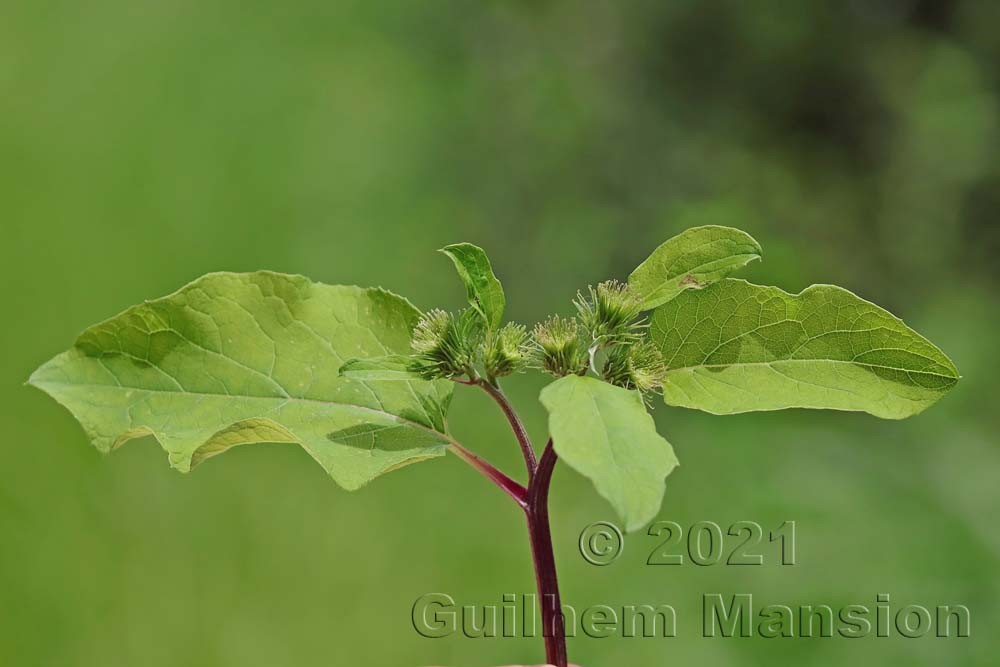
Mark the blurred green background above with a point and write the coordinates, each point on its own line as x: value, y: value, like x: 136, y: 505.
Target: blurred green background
x: 143, y: 144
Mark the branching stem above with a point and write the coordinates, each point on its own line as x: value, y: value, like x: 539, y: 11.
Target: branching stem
x: 494, y: 474
x: 523, y: 440
x: 534, y: 500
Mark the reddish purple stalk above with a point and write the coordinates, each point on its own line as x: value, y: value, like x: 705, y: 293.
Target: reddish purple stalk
x: 553, y: 622
x: 534, y: 501
x: 495, y: 475
x: 520, y: 432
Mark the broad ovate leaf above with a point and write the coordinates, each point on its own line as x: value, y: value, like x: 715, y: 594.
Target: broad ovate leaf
x: 605, y: 433
x: 484, y: 290
x: 693, y: 259
x: 234, y: 359
x: 737, y: 347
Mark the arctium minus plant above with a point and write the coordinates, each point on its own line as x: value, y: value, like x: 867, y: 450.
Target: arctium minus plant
x: 363, y: 380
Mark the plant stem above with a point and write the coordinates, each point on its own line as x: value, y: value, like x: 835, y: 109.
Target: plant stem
x: 527, y: 450
x: 494, y: 474
x: 537, y: 510
x: 534, y: 500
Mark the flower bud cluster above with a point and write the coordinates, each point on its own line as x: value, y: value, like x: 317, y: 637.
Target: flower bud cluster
x: 607, y: 326
x: 446, y: 345
x: 638, y: 365
x: 610, y: 313
x: 507, y: 351
x: 559, y: 348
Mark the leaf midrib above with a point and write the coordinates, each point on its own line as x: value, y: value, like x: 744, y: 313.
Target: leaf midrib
x: 627, y: 470
x: 673, y: 273
x: 809, y: 361
x: 282, y: 399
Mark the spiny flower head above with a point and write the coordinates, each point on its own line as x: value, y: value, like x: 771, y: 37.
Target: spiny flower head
x: 445, y: 345
x: 507, y: 351
x: 558, y: 347
x: 430, y: 332
x: 609, y: 312
x: 637, y: 366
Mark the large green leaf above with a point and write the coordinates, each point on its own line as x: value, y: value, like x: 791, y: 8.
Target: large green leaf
x: 484, y: 290
x: 693, y: 259
x: 605, y: 433
x: 234, y: 359
x: 737, y: 347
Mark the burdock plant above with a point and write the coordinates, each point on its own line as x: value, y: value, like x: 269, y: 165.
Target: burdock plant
x: 362, y: 380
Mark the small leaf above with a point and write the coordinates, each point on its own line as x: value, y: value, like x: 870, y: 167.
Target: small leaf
x: 484, y: 290
x: 693, y: 259
x: 235, y: 359
x: 605, y: 433
x: 738, y: 347
x: 395, y: 367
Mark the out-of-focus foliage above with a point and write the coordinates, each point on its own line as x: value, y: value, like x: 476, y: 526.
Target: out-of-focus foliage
x: 144, y: 144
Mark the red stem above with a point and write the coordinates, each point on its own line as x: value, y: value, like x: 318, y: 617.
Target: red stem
x: 534, y: 500
x: 527, y: 450
x: 495, y: 475
x: 537, y: 510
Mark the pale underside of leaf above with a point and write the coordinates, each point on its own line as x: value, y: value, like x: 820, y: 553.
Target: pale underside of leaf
x: 693, y: 259
x: 737, y: 347
x: 485, y: 292
x: 235, y: 359
x: 605, y: 433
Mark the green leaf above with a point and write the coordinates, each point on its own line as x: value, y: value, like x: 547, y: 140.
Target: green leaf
x: 485, y: 292
x: 693, y: 259
x: 737, y: 347
x: 605, y: 433
x: 394, y: 367
x: 235, y: 359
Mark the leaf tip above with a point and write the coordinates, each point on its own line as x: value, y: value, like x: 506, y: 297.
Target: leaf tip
x: 182, y: 465
x: 33, y: 379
